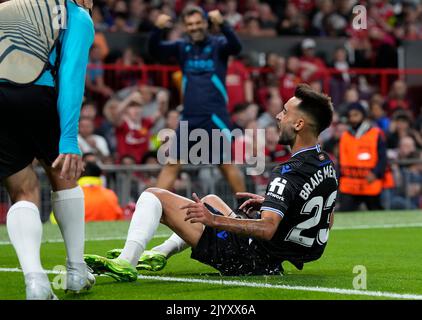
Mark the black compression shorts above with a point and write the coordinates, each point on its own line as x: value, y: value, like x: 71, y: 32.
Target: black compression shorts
x: 29, y: 127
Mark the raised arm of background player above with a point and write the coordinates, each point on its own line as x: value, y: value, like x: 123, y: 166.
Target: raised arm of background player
x: 76, y: 40
x: 229, y: 44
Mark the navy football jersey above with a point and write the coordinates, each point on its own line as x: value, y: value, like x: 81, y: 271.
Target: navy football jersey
x: 303, y: 191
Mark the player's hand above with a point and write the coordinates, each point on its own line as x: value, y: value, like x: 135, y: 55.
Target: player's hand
x: 253, y: 203
x: 215, y: 17
x: 136, y: 97
x: 198, y: 212
x: 163, y: 21
x: 71, y: 166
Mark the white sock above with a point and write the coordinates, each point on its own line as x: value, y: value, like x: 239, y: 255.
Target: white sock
x: 69, y: 211
x: 171, y: 246
x: 145, y: 221
x: 25, y: 232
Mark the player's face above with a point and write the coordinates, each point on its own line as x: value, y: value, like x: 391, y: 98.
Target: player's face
x: 196, y: 27
x: 287, y: 122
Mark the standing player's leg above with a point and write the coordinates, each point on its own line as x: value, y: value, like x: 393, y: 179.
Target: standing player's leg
x: 168, y: 176
x: 25, y: 231
x: 67, y: 199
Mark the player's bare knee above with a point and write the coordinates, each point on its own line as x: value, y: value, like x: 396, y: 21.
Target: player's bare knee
x: 155, y: 191
x: 28, y: 191
x: 211, y: 198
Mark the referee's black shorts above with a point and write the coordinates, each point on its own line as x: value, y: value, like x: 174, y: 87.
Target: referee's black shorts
x: 232, y: 254
x: 29, y: 127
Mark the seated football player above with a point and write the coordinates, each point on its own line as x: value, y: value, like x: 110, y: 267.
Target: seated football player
x: 292, y: 222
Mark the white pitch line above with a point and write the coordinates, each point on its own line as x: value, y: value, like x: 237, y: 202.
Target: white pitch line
x: 165, y: 235
x: 380, y: 226
x: 157, y: 236
x: 378, y: 294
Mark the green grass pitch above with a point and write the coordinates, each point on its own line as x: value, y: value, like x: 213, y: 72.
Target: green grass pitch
x: 387, y: 244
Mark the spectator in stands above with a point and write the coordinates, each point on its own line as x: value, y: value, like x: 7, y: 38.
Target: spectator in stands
x: 267, y: 17
x: 132, y: 130
x: 121, y: 18
x: 408, y: 191
x: 331, y: 145
x: 350, y: 96
x: 313, y: 67
x: 232, y: 16
x: 401, y: 127
x: 274, y: 152
x: 89, y: 110
x: 138, y: 16
x: 362, y: 161
x: 101, y: 204
x: 252, y: 27
x: 273, y: 107
x: 293, y: 22
x: 90, y: 142
x: 407, y: 148
x: 95, y: 82
x: 323, y: 10
x: 238, y: 82
x: 377, y: 114
x: 98, y: 19
x: 291, y: 78
x: 276, y: 63
x: 397, y: 98
x: 339, y: 82
x: 124, y: 77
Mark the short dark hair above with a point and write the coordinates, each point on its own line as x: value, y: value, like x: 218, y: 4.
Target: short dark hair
x: 191, y: 10
x: 317, y: 105
x: 92, y: 170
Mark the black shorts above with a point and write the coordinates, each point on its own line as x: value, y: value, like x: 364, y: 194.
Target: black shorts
x: 29, y: 127
x: 217, y: 149
x: 232, y: 254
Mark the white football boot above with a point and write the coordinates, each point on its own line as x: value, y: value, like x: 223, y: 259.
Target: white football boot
x: 38, y: 287
x: 78, y: 277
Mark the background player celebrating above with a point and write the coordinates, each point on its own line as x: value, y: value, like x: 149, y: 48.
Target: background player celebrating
x: 48, y: 131
x: 203, y: 60
x: 293, y: 221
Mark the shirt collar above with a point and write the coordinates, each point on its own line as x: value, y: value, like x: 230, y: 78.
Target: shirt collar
x: 316, y: 147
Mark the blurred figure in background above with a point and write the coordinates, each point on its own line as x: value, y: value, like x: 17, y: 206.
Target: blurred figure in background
x: 363, y: 162
x: 101, y: 204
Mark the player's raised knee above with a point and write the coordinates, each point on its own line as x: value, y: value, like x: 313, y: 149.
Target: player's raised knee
x: 210, y: 198
x: 155, y: 191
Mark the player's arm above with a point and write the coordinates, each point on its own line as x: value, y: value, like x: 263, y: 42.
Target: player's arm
x: 381, y: 166
x: 156, y: 46
x: 231, y: 45
x: 263, y: 228
x: 76, y: 41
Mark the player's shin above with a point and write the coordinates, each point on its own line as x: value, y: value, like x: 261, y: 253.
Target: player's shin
x: 145, y: 221
x: 69, y: 211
